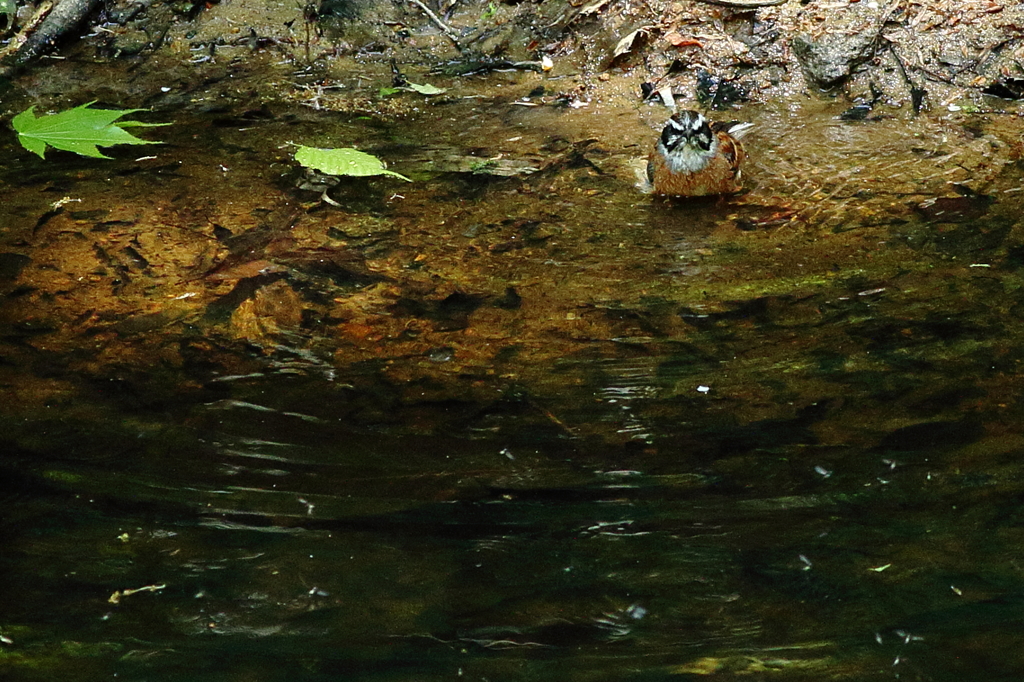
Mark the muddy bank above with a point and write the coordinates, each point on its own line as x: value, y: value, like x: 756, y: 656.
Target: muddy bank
x: 922, y: 56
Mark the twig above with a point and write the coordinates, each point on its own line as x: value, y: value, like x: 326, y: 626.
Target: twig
x: 547, y: 413
x: 448, y: 31
x: 745, y: 4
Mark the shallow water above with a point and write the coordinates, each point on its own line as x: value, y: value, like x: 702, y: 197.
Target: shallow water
x: 513, y: 428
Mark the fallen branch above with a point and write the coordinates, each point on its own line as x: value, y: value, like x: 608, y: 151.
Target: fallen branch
x: 65, y: 16
x: 448, y: 31
x: 37, y: 18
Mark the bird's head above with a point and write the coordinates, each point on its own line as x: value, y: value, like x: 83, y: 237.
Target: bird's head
x: 687, y: 129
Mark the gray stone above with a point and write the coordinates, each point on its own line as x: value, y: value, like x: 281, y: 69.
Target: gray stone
x: 830, y: 60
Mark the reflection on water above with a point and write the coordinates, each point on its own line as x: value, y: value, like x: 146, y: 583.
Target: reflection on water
x: 505, y: 428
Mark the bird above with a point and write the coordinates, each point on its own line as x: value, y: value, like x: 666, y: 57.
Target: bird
x: 695, y: 157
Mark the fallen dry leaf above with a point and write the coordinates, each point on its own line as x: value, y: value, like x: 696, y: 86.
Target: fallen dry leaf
x: 678, y: 40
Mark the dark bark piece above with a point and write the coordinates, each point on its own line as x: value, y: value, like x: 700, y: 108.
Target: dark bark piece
x: 67, y: 15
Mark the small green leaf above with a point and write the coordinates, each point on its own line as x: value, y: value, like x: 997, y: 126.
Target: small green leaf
x: 345, y: 161
x: 80, y: 130
x: 422, y: 88
x: 8, y: 7
x: 426, y: 89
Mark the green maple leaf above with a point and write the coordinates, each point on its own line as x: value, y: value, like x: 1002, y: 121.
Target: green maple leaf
x: 80, y: 130
x: 346, y: 161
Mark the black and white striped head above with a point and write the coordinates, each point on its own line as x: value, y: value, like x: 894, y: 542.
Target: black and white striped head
x: 688, y: 144
x: 687, y: 128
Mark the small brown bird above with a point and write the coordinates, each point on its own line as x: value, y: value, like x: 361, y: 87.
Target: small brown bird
x: 695, y: 157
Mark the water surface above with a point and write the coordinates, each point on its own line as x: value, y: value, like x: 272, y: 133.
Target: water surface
x: 532, y: 427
